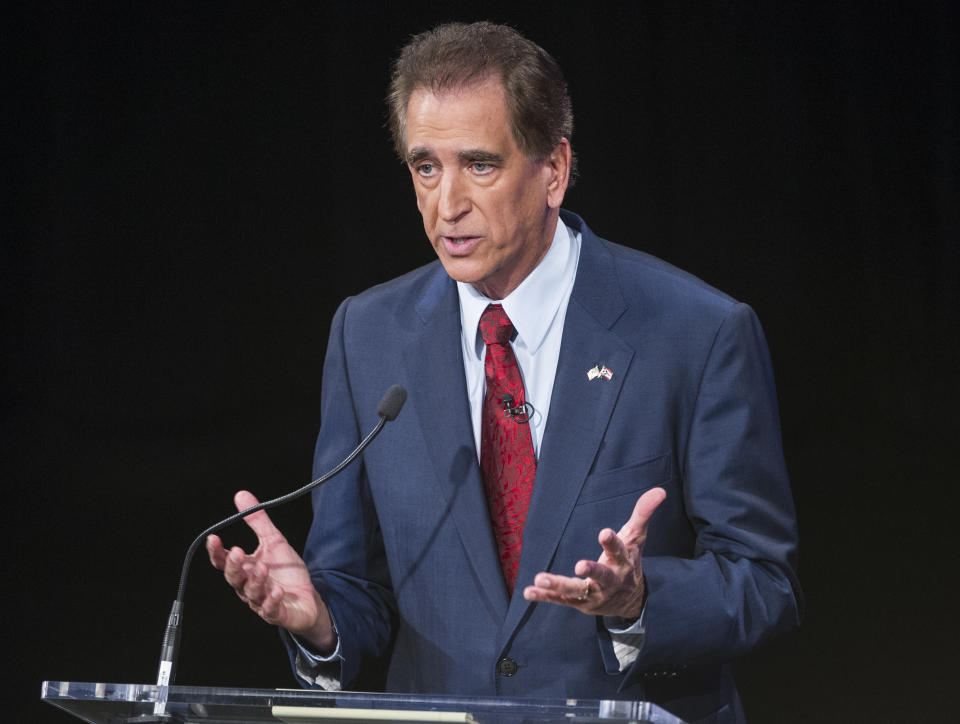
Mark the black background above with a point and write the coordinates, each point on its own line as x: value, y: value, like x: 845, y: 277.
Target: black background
x: 193, y: 187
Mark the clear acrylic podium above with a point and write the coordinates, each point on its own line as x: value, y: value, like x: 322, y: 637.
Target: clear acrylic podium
x: 133, y: 704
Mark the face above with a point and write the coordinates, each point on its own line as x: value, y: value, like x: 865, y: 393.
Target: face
x: 488, y: 210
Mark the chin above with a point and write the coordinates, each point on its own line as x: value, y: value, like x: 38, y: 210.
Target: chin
x: 461, y: 271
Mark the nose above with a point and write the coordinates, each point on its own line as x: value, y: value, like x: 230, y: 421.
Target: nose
x: 454, y: 197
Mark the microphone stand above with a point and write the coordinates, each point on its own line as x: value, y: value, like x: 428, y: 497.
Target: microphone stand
x: 388, y: 409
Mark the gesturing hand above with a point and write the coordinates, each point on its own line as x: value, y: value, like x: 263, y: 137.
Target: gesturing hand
x: 273, y: 580
x: 613, y: 585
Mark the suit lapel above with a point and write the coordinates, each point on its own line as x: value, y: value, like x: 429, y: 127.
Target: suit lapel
x: 435, y: 362
x: 580, y: 410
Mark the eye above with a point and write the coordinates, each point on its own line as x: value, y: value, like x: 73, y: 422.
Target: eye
x: 481, y: 168
x: 426, y: 170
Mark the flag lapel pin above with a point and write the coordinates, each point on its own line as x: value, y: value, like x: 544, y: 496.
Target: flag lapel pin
x: 599, y: 372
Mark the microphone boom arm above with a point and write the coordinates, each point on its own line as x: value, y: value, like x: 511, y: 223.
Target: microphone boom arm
x: 388, y: 409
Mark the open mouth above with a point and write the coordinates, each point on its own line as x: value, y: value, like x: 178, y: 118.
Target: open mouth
x: 459, y: 244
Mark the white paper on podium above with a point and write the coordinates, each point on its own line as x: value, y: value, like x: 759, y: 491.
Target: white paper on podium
x: 300, y: 714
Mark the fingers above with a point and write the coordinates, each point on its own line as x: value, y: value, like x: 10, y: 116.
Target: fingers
x: 235, y: 564
x: 259, y: 522
x: 216, y: 552
x: 250, y: 580
x: 563, y: 590
x: 271, y: 608
x: 615, y: 550
x: 234, y: 570
x: 248, y: 577
x: 253, y: 588
x: 272, y: 580
x: 621, y: 550
x: 264, y: 597
x: 600, y: 572
x: 613, y: 584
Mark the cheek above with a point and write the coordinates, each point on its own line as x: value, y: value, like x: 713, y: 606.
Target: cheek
x: 424, y: 205
x: 524, y: 200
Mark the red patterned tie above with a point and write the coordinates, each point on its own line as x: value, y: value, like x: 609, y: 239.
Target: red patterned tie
x: 506, y: 448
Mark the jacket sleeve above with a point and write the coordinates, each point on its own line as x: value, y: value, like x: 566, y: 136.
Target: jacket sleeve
x: 740, y: 585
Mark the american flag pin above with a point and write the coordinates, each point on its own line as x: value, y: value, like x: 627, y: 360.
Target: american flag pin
x: 606, y: 373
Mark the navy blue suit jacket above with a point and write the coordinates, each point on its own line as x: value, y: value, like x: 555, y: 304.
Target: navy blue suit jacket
x: 401, y: 546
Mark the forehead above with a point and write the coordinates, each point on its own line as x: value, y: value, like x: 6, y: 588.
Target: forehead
x: 475, y: 116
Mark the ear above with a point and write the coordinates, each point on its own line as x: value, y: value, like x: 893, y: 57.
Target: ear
x: 558, y: 173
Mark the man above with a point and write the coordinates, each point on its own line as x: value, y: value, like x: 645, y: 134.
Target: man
x: 558, y: 385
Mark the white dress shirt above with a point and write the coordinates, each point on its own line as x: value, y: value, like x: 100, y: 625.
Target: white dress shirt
x: 537, y: 309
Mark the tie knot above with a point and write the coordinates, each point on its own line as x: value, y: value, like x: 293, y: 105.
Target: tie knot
x: 495, y: 325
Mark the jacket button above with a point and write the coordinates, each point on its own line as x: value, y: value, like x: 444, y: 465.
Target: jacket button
x: 506, y: 667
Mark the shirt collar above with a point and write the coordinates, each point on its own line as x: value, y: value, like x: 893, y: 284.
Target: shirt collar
x: 533, y: 305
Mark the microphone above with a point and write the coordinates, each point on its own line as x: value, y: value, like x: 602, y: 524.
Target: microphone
x: 519, y: 413
x: 392, y: 402
x: 390, y: 405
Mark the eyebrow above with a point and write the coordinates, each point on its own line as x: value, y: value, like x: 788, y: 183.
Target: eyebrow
x: 417, y: 154
x: 470, y: 155
x: 478, y: 156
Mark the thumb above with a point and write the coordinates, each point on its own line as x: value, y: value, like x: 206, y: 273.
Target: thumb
x: 259, y: 522
x: 636, y: 527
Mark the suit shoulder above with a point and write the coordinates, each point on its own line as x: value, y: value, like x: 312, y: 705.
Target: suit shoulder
x: 402, y: 292
x: 657, y: 283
